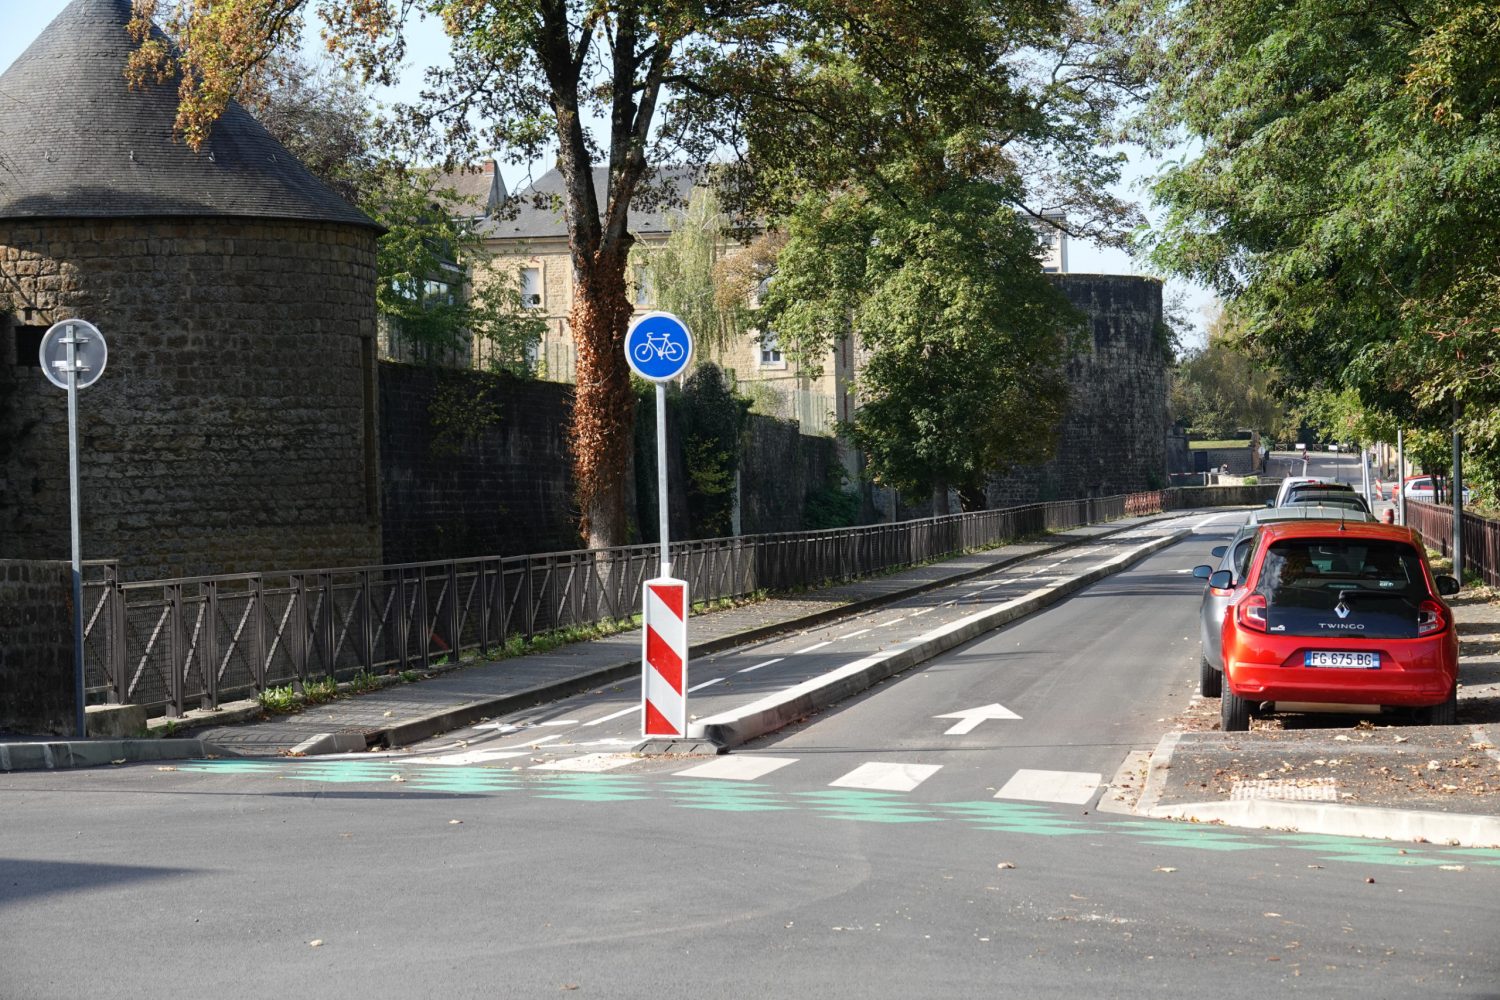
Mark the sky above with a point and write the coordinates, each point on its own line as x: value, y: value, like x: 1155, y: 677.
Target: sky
x: 22, y: 20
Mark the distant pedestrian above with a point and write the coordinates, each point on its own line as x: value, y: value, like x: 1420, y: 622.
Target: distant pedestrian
x: 1389, y: 517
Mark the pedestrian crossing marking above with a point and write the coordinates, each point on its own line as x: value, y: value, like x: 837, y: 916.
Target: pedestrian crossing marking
x: 856, y: 805
x: 885, y: 777
x: 737, y: 767
x: 716, y: 795
x: 866, y: 807
x: 1069, y: 787
x: 468, y: 757
x: 591, y: 763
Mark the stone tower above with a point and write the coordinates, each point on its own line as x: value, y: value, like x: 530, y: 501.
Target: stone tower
x: 234, y: 428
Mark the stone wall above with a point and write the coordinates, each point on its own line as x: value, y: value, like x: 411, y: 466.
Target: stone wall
x: 1113, y: 439
x: 234, y: 428
x: 778, y: 468
x: 36, y: 647
x: 1191, y: 498
x: 473, y: 464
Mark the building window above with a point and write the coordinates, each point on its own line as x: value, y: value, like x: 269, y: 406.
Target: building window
x: 645, y: 293
x: 438, y: 293
x: 29, y: 346
x: 770, y: 350
x: 531, y: 287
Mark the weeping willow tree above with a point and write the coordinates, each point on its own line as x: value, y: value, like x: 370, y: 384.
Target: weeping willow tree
x: 691, y: 275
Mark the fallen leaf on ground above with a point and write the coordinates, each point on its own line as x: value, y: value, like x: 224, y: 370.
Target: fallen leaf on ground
x: 455, y: 822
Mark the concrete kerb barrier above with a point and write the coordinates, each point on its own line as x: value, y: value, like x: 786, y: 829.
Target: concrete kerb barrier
x: 1329, y: 818
x: 421, y: 728
x: 731, y: 729
x: 62, y: 754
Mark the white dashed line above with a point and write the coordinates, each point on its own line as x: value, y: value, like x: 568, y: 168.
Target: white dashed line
x: 851, y: 635
x: 700, y: 687
x: 816, y: 645
x: 759, y: 665
x: 613, y: 716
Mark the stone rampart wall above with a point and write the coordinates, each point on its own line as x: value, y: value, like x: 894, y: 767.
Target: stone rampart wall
x: 234, y: 428
x: 1113, y: 439
x: 36, y: 648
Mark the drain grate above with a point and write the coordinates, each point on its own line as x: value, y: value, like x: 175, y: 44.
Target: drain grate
x: 1286, y: 790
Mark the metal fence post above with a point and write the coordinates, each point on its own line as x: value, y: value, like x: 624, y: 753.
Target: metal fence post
x: 176, y: 652
x: 208, y: 661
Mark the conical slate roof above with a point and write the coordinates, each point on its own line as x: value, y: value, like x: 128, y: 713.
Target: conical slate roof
x: 77, y: 142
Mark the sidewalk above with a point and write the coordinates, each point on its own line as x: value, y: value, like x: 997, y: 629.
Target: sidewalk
x: 450, y: 698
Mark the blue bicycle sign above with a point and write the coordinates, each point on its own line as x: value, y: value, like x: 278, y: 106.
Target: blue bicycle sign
x: 658, y: 347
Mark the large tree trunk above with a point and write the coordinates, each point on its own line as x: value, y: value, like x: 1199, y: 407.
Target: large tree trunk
x: 603, y: 403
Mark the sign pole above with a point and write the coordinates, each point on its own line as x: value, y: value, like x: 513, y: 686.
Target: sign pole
x: 73, y: 354
x: 80, y: 723
x: 661, y: 476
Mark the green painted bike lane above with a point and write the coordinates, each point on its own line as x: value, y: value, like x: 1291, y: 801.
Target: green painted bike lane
x: 840, y: 805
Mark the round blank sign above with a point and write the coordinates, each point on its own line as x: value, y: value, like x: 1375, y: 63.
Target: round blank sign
x: 91, y: 352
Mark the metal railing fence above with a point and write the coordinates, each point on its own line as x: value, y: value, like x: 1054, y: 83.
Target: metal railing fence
x: 172, y: 645
x: 1481, y: 537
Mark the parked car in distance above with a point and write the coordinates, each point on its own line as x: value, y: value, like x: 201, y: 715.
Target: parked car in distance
x: 1347, y: 499
x: 1235, y: 557
x: 1421, y: 488
x: 1337, y: 618
x: 1294, y: 482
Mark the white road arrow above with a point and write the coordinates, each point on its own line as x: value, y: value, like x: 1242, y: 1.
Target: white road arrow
x: 972, y: 717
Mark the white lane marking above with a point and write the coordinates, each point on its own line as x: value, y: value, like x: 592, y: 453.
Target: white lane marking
x: 503, y: 728
x: 700, y: 687
x: 612, y: 716
x: 737, y: 767
x: 970, y: 718
x: 759, y: 665
x: 1188, y: 570
x: 531, y: 743
x: 851, y: 635
x: 592, y: 762
x: 887, y: 777
x: 891, y: 622
x: 1210, y: 519
x: 922, y: 612
x: 816, y: 645
x: 469, y: 757
x: 559, y: 722
x: 1072, y: 787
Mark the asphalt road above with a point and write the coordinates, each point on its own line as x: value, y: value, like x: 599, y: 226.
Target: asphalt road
x: 818, y: 878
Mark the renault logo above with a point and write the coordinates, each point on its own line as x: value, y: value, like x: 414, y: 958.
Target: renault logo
x: 1341, y: 609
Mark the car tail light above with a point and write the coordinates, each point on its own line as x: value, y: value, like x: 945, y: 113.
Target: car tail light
x: 1431, y: 618
x: 1251, y: 612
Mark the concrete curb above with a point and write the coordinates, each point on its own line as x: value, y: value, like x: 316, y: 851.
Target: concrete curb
x: 1373, y: 822
x: 1453, y: 829
x: 731, y: 729
x: 423, y: 727
x: 97, y: 753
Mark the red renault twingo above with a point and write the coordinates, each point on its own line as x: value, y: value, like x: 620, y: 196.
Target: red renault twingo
x: 1334, y: 616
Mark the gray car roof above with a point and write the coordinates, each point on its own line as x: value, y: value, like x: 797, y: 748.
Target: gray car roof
x: 1307, y: 513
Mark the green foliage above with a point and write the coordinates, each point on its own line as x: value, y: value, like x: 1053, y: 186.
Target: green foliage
x: 1219, y: 389
x: 461, y: 410
x: 713, y: 425
x: 683, y: 275
x: 1342, y: 192
x: 966, y: 339
x: 831, y: 505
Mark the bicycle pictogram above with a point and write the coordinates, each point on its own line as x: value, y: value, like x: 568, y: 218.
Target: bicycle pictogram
x: 658, y: 346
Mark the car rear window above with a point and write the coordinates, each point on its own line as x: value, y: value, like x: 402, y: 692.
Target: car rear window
x: 1358, y: 586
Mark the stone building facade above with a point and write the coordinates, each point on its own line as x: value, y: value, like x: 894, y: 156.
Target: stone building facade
x: 234, y: 428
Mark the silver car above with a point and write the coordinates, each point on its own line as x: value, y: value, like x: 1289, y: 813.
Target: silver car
x: 1234, y: 559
